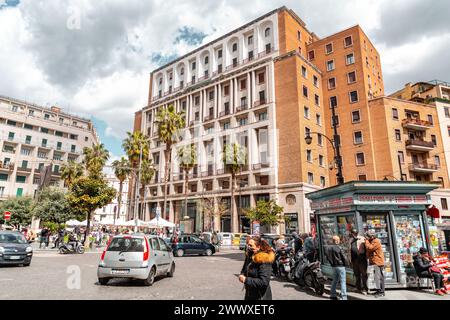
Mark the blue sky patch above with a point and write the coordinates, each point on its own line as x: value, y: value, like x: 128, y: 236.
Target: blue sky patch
x: 189, y: 35
x: 9, y: 3
x: 113, y: 144
x: 161, y: 59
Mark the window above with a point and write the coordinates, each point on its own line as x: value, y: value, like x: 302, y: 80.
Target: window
x: 350, y: 59
x: 332, y: 83
x: 14, y: 108
x: 194, y: 65
x: 305, y: 92
x: 299, y: 35
x: 329, y: 48
x: 31, y: 112
x: 267, y: 32
x: 25, y: 151
x: 322, y: 181
x: 398, y: 135
x: 235, y: 62
x: 448, y: 130
x: 307, y: 131
x: 234, y: 47
x: 44, y: 142
x: 348, y: 41
x: 394, y: 114
x: 226, y: 126
x: 206, y: 60
x: 444, y: 204
x: 318, y: 119
x: 250, y: 40
x: 58, y: 133
x: 261, y: 78
x: 437, y: 161
x: 336, y: 120
x: 44, y: 130
x: 2, y: 191
x: 46, y: 116
x: 317, y: 100
x: 447, y: 112
x: 182, y: 71
x: 3, y: 177
x: 310, y: 178
x: 360, y: 160
x: 197, y: 100
x: 434, y: 140
x: 330, y: 65
x: 304, y: 72
x: 42, y: 155
x: 262, y: 116
x: 11, y: 136
x: 219, y: 54
x: 24, y: 164
x: 401, y: 156
x: 211, y: 95
x: 11, y: 123
x: 242, y: 121
x: 306, y: 112
x: 309, y: 155
x: 351, y: 77
x: 28, y: 140
x: 430, y: 118
x: 319, y: 139
x: 19, y: 192
x: 226, y: 90
x: 250, y: 55
x: 333, y: 101
x: 243, y: 101
x: 353, y: 96
x: 73, y: 148
x: 58, y: 145
x: 28, y: 126
x: 244, y: 84
x: 21, y: 179
x: 268, y: 48
x: 311, y: 55
x: 316, y: 81
x: 321, y: 162
x: 358, y: 137
x: 356, y: 117
x: 362, y: 177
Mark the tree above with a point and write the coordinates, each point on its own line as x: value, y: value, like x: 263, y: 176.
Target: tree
x: 95, y: 158
x: 266, y: 212
x: 234, y: 158
x: 146, y: 176
x: 187, y: 158
x: 20, y: 208
x: 169, y: 124
x: 53, y: 206
x: 122, y: 171
x: 211, y: 210
x: 70, y: 172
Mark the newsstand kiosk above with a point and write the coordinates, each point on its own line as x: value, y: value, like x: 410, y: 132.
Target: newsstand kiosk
x: 396, y: 211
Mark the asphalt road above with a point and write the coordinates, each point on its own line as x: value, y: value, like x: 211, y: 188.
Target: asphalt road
x: 53, y: 276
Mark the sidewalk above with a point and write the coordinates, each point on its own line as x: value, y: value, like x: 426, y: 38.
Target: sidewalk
x: 36, y: 248
x: 395, y: 294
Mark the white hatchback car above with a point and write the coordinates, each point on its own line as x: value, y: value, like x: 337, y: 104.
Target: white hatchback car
x: 136, y: 256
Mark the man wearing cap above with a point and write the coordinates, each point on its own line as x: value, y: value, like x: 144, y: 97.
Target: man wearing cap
x: 425, y: 268
x: 376, y: 259
x: 359, y: 261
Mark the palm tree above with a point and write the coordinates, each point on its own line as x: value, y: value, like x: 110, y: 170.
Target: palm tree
x: 234, y: 158
x: 134, y: 144
x: 187, y: 158
x: 122, y: 170
x: 169, y: 122
x: 70, y: 172
x: 95, y: 158
x: 147, y: 173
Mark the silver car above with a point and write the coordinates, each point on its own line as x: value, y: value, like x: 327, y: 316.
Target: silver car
x: 136, y: 257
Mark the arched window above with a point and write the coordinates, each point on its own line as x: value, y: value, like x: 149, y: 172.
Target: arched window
x: 267, y: 32
x: 234, y: 47
x: 160, y: 81
x: 206, y: 60
x: 182, y: 71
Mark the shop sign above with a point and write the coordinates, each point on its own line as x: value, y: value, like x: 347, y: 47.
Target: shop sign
x: 391, y: 199
x: 336, y: 210
x: 332, y: 203
x: 256, y: 227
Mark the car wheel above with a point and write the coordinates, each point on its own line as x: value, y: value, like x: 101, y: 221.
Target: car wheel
x: 180, y: 252
x: 172, y: 270
x: 208, y: 252
x: 151, y: 277
x: 103, y: 281
x: 80, y: 250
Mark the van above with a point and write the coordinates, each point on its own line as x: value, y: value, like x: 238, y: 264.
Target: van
x: 226, y: 238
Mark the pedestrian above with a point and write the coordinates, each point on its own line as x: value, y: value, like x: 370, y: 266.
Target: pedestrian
x: 308, y: 247
x: 425, y: 268
x: 43, y: 237
x: 376, y: 259
x: 219, y: 240
x: 280, y: 243
x: 338, y: 261
x: 359, y: 261
x: 255, y: 274
x: 47, y: 240
x: 298, y: 245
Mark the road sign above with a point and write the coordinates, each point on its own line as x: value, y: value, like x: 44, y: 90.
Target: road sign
x: 7, y: 215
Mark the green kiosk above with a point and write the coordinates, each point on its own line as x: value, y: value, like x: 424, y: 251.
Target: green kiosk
x: 396, y: 211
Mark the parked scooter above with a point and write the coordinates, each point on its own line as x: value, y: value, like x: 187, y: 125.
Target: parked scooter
x: 308, y: 274
x: 71, y: 247
x: 285, y: 262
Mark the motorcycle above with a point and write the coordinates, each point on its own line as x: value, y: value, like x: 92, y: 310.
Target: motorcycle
x: 66, y: 248
x: 308, y: 274
x: 285, y: 262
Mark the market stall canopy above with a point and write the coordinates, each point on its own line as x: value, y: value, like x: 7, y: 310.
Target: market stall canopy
x: 159, y: 223
x: 110, y: 222
x: 132, y: 223
x: 84, y: 223
x: 73, y: 222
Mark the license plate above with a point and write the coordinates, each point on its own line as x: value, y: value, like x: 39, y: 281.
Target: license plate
x: 15, y: 257
x: 126, y: 271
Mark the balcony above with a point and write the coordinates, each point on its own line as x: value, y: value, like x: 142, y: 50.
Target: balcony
x: 224, y: 113
x: 6, y: 166
x: 423, y: 167
x: 419, y: 145
x: 241, y: 108
x: 208, y: 118
x: 56, y: 173
x: 259, y: 103
x: 416, y: 124
x: 25, y: 170
x: 258, y: 166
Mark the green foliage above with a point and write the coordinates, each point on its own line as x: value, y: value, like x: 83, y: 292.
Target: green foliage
x: 20, y: 208
x: 70, y: 172
x: 266, y: 212
x: 53, y: 206
x: 95, y: 158
x: 234, y: 157
x: 53, y: 226
x: 122, y: 169
x: 147, y: 172
x: 133, y: 144
x: 169, y: 122
x: 187, y: 157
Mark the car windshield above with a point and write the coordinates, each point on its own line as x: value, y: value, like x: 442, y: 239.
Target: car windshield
x: 127, y: 245
x: 12, y: 238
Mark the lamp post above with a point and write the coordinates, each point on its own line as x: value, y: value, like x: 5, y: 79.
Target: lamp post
x: 336, y: 149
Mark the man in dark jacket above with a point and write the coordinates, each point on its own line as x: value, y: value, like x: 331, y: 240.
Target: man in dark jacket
x: 338, y: 261
x: 359, y: 261
x: 423, y: 266
x: 298, y: 243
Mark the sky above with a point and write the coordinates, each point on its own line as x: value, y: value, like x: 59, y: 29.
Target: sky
x: 94, y: 58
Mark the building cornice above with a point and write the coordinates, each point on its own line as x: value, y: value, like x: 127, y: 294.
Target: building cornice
x: 296, y: 53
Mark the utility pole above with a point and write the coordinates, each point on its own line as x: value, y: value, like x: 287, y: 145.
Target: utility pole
x: 136, y: 196
x: 337, y: 148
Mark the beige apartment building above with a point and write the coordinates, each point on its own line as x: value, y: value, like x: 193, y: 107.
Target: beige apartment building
x: 267, y: 85
x: 33, y: 137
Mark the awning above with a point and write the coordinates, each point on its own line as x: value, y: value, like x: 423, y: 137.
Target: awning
x: 433, y: 212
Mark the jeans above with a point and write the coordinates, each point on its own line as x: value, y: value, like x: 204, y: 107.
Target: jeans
x: 339, y: 275
x: 437, y: 277
x: 360, y: 272
x: 379, y: 278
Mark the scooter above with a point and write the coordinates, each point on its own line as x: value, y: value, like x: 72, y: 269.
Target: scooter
x: 285, y: 262
x: 66, y: 248
x: 308, y: 274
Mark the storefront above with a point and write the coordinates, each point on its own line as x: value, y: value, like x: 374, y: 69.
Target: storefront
x: 396, y: 211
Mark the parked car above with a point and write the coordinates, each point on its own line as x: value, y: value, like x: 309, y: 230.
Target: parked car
x: 15, y: 249
x: 192, y: 244
x: 226, y: 238
x: 136, y: 257
x: 207, y: 236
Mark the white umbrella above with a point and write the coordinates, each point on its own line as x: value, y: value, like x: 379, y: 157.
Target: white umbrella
x: 107, y: 221
x: 84, y: 223
x: 73, y: 222
x: 132, y: 223
x: 159, y: 223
